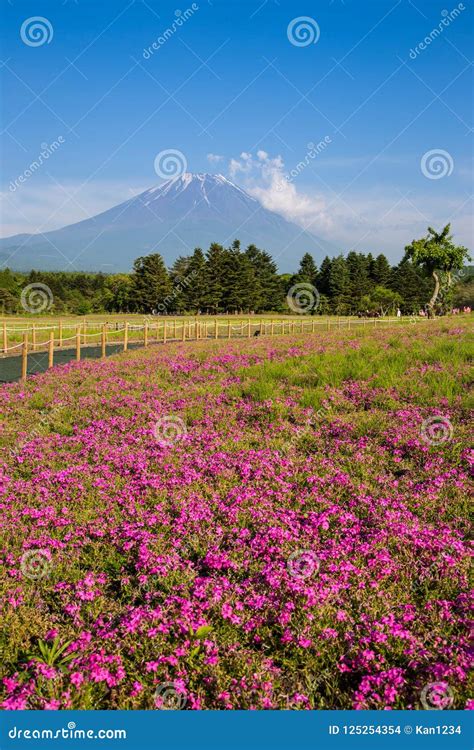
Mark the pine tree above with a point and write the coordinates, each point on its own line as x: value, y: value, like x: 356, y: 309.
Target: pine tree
x: 195, y: 281
x: 359, y: 280
x: 308, y: 271
x: 339, y: 286
x: 151, y: 284
x: 324, y: 277
x: 380, y: 271
x: 238, y: 293
x: 215, y: 278
x: 268, y: 292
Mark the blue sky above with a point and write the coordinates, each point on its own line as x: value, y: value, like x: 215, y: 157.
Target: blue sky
x: 229, y: 81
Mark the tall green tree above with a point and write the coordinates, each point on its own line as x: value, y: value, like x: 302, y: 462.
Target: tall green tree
x: 308, y: 270
x: 436, y: 254
x: 195, y: 281
x: 215, y: 277
x: 151, y: 284
x: 380, y: 270
x: 268, y: 291
x: 324, y: 277
x: 239, y: 287
x: 339, y: 286
x: 359, y: 281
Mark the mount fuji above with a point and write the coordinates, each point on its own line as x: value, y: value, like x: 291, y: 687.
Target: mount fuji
x: 189, y: 211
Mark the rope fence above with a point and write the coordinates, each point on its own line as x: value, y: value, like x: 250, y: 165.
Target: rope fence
x: 163, y: 332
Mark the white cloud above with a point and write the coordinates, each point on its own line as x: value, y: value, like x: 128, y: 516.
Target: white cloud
x: 43, y: 206
x: 266, y: 180
x: 379, y: 220
x: 214, y: 158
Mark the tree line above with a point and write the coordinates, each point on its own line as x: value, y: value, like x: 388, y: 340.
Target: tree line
x: 236, y: 280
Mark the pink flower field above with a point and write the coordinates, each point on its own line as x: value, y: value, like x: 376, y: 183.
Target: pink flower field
x: 274, y: 523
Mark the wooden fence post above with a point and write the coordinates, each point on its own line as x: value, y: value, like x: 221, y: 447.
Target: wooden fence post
x: 33, y: 336
x: 104, y: 341
x: 78, y: 344
x: 216, y: 332
x: 24, y: 357
x: 248, y: 332
x: 145, y: 334
x: 174, y: 328
x: 229, y: 328
x: 164, y: 332
x: 51, y: 349
x: 125, y: 337
x: 273, y: 328
x: 5, y: 341
x: 60, y: 333
x: 184, y: 331
x: 84, y: 332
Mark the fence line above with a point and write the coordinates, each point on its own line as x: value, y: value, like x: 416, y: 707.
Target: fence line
x: 169, y: 331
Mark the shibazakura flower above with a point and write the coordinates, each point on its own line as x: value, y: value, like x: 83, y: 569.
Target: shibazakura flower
x: 287, y: 540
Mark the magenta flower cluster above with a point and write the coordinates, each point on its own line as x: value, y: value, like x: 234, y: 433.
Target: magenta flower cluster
x: 176, y: 562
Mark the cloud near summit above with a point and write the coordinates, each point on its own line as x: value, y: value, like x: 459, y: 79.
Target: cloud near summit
x: 267, y: 180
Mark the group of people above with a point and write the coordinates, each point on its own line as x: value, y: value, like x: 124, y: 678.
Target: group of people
x: 454, y: 311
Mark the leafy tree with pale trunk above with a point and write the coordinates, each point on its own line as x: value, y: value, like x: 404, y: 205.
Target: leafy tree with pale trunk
x: 437, y: 254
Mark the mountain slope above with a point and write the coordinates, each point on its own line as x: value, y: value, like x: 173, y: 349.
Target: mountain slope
x: 172, y: 219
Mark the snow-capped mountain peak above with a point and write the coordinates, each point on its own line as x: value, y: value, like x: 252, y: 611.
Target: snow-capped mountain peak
x: 188, y: 211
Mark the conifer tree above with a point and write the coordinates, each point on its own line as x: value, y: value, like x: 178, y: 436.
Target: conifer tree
x: 151, y: 283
